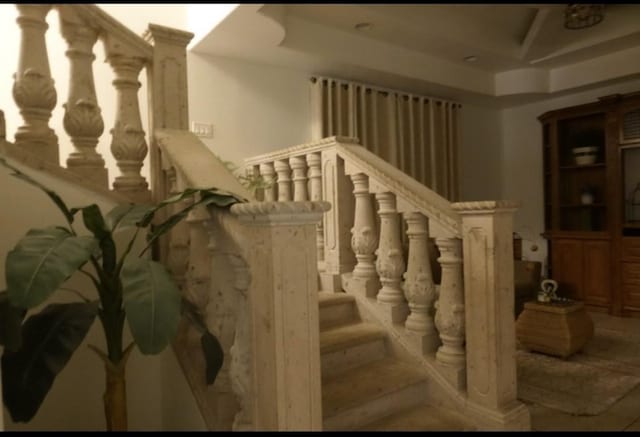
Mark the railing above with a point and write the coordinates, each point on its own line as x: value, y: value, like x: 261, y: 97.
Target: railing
x: 252, y: 273
x: 36, y: 143
x: 463, y: 326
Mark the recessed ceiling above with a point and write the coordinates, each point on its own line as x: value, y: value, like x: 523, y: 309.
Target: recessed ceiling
x: 429, y: 43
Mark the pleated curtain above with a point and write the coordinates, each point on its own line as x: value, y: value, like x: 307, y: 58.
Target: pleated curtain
x: 417, y: 134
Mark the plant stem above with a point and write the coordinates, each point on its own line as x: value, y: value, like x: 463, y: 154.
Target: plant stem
x: 115, y: 397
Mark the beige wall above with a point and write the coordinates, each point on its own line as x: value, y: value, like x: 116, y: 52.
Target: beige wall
x: 522, y: 159
x: 254, y: 108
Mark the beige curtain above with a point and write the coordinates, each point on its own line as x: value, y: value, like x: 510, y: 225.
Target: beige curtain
x: 417, y: 134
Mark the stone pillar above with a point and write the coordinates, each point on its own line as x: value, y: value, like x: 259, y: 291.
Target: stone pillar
x: 314, y: 163
x: 390, y: 263
x: 177, y: 256
x: 82, y: 117
x: 167, y: 92
x: 298, y: 166
x: 419, y: 288
x: 283, y: 305
x: 487, y: 229
x: 284, y: 180
x: 337, y: 190
x: 364, y: 239
x: 128, y: 144
x: 268, y: 173
x: 450, y: 312
x: 33, y: 89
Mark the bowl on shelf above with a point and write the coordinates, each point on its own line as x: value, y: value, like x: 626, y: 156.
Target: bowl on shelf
x: 585, y: 155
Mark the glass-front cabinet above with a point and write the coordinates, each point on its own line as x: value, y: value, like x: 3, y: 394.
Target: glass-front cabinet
x: 591, y: 174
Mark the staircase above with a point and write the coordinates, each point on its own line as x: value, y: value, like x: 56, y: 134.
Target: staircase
x: 364, y: 387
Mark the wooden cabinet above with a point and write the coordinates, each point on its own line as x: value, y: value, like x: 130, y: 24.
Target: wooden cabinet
x: 591, y: 159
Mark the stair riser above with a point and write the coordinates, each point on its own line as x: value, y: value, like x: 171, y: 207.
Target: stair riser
x: 375, y: 409
x: 337, y: 314
x: 353, y: 356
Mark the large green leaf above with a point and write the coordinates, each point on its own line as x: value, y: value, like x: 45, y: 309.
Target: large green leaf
x: 10, y: 323
x: 94, y: 222
x: 151, y: 302
x: 123, y: 217
x: 41, y: 261
x: 48, y: 341
x: 68, y: 214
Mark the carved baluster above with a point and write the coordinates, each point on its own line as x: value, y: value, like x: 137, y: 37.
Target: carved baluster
x: 450, y: 309
x: 128, y: 145
x: 269, y: 176
x: 314, y: 162
x: 419, y: 288
x: 364, y: 236
x: 33, y: 88
x: 298, y: 166
x: 284, y: 180
x: 82, y: 117
x: 390, y: 263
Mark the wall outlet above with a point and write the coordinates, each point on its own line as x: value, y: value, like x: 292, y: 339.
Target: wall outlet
x: 202, y: 129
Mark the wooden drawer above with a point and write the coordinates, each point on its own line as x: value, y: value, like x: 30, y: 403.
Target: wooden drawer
x: 631, y: 248
x: 631, y: 296
x: 631, y: 273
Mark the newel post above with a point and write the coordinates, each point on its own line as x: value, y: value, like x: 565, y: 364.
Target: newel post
x: 283, y: 313
x: 168, y: 94
x: 489, y: 304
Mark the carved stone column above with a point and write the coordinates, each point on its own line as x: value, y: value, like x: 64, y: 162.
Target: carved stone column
x: 128, y: 145
x: 390, y: 263
x: 364, y: 239
x: 168, y: 95
x: 33, y: 89
x: 269, y: 175
x: 337, y: 190
x: 178, y: 253
x: 487, y: 230
x: 419, y: 288
x: 314, y: 163
x: 298, y: 166
x: 82, y: 117
x: 284, y: 312
x: 450, y: 311
x: 284, y: 180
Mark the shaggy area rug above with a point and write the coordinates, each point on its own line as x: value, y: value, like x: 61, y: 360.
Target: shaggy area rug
x: 587, y: 383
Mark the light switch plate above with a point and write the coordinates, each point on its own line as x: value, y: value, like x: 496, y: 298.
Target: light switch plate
x: 202, y: 129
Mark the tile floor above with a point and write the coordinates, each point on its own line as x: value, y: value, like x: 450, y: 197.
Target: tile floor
x: 624, y: 415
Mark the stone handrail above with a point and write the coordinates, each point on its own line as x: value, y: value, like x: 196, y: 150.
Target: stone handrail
x: 235, y: 267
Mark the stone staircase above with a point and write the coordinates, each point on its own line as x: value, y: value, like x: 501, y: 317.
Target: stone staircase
x: 364, y: 386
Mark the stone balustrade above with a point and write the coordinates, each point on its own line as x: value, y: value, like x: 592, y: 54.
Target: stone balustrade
x: 36, y: 143
x: 387, y: 257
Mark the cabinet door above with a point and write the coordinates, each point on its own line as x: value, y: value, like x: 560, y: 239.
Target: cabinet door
x: 567, y: 267
x: 597, y: 280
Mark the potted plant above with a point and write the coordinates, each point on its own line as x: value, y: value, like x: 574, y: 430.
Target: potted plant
x: 129, y: 287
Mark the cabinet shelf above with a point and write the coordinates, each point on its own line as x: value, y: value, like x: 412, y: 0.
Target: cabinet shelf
x: 597, y: 165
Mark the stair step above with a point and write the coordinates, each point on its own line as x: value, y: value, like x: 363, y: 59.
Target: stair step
x: 422, y: 417
x: 363, y: 394
x: 348, y: 346
x: 336, y: 309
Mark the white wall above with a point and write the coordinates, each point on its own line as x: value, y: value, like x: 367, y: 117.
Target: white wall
x: 522, y: 160
x: 254, y: 108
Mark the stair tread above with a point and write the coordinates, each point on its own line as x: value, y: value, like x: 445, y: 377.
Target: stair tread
x: 367, y: 382
x: 327, y: 298
x: 422, y: 417
x: 343, y: 336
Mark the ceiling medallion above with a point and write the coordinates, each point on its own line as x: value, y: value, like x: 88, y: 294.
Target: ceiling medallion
x: 579, y: 16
